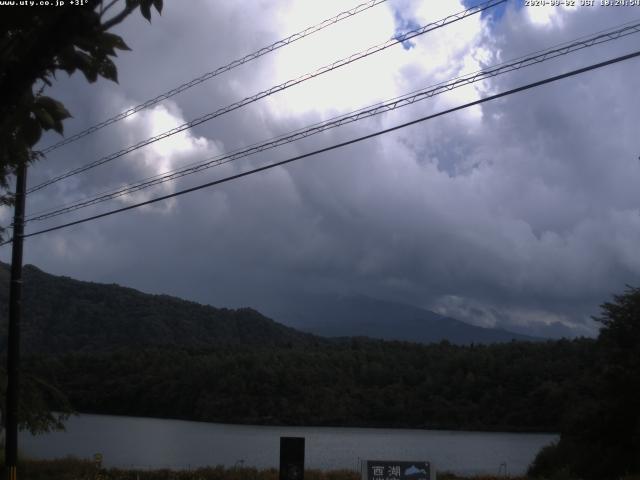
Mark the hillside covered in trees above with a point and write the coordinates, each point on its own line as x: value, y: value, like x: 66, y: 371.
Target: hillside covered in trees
x: 516, y: 386
x: 63, y: 315
x: 66, y: 315
x: 115, y: 350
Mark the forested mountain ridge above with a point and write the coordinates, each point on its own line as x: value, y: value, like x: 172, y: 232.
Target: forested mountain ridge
x: 61, y: 315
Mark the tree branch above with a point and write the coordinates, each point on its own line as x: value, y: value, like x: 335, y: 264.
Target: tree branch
x: 103, y: 10
x: 119, y: 17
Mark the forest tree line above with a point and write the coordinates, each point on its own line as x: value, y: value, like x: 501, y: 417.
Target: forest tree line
x: 358, y: 382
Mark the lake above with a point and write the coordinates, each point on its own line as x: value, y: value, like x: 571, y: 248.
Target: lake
x: 156, y: 443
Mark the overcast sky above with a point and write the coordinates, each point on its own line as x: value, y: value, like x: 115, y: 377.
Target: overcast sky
x: 518, y: 213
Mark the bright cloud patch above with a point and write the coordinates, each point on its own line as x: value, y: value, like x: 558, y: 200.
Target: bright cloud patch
x: 166, y: 155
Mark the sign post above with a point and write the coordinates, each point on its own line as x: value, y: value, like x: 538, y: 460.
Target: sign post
x: 291, y: 458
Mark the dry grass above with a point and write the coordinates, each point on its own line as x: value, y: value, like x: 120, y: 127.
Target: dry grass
x: 76, y: 469
x: 451, y: 476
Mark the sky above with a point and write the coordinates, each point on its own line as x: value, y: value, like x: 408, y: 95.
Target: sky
x: 520, y: 213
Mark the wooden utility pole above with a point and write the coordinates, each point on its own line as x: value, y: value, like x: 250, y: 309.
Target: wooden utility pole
x: 13, y: 338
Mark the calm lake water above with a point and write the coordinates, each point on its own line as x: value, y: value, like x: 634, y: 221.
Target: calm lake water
x: 155, y: 443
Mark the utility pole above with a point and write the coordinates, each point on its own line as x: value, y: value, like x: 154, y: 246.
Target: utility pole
x: 13, y: 339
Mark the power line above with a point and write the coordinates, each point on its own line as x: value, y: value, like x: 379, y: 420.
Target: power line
x: 209, y: 75
x: 405, y: 100
x: 342, y: 144
x: 278, y: 88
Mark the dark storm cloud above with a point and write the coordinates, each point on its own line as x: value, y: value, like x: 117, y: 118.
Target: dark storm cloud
x: 521, y: 213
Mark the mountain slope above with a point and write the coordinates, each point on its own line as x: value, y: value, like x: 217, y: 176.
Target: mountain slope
x: 64, y: 315
x: 353, y: 316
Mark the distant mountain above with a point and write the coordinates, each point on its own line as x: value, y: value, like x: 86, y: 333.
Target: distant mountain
x: 356, y: 316
x: 62, y: 315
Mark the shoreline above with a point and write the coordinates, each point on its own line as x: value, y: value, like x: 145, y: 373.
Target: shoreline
x: 248, y: 423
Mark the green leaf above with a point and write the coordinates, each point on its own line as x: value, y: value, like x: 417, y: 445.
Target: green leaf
x: 108, y: 70
x: 45, y: 102
x: 145, y: 9
x: 57, y: 126
x: 115, y: 41
x: 87, y: 65
x: 84, y: 43
x: 66, y: 59
x: 82, y: 59
x: 104, y: 48
x: 61, y: 111
x: 158, y: 5
x: 55, y: 108
x: 46, y: 120
x: 31, y: 131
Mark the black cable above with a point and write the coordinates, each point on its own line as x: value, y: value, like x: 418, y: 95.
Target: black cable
x: 367, y: 112
x: 278, y: 88
x: 342, y: 144
x: 206, y: 76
